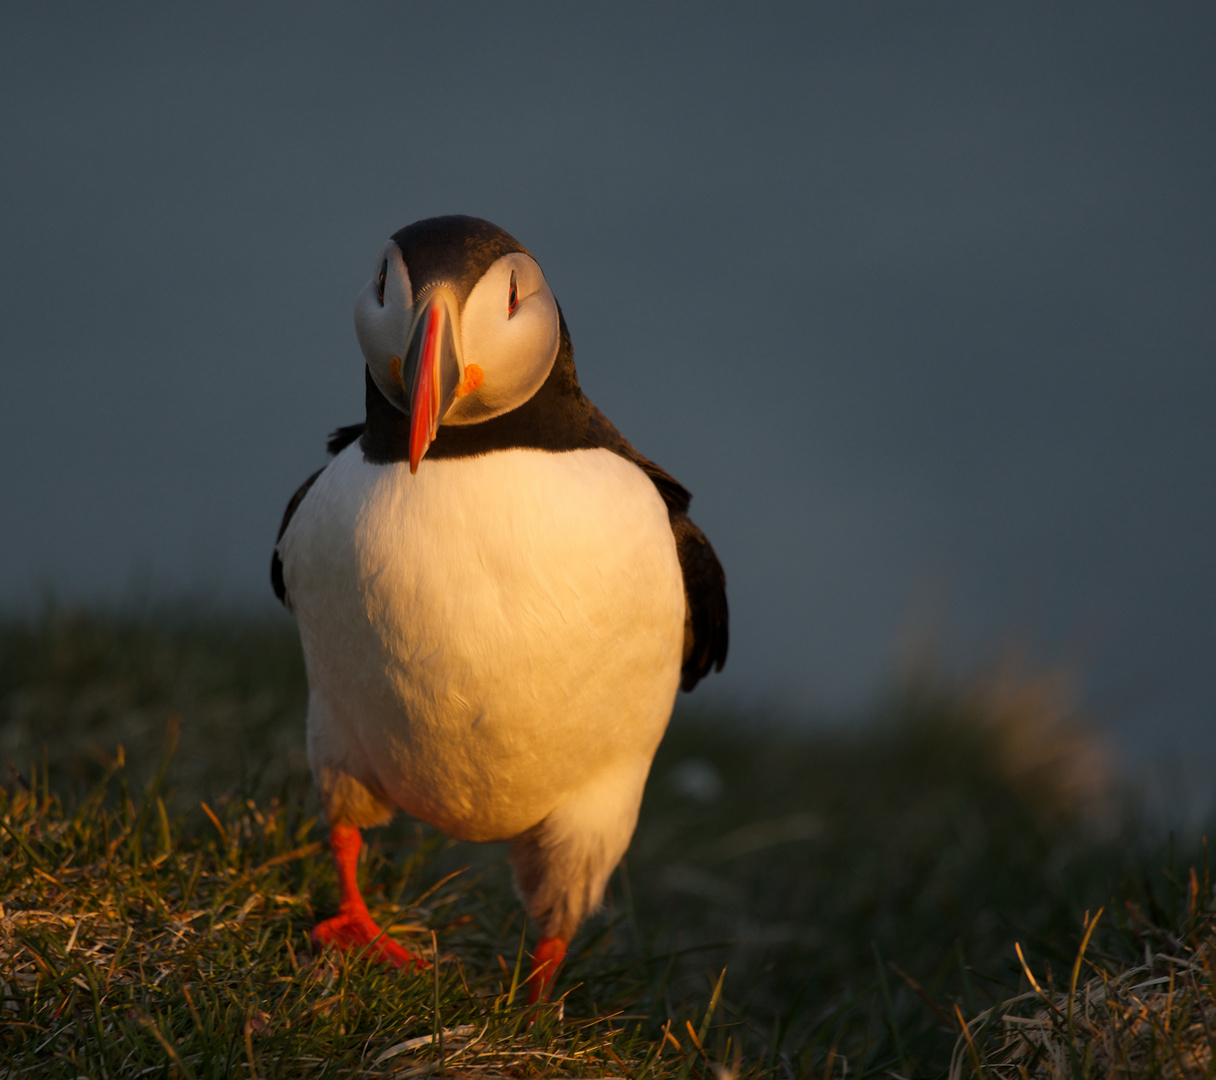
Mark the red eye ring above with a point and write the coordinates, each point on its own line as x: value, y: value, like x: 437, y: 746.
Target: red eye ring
x: 512, y: 297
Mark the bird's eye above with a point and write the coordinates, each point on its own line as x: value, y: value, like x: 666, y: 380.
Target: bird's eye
x: 380, y: 281
x: 512, y: 296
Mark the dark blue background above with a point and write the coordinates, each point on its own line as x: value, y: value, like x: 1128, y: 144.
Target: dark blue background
x: 920, y: 301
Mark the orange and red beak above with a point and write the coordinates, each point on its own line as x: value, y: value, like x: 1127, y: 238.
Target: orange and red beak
x: 431, y: 370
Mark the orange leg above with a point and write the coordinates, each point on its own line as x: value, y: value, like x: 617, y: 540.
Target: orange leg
x: 352, y: 927
x: 550, y: 952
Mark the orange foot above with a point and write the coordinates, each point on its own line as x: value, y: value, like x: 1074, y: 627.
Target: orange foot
x: 353, y: 926
x: 356, y: 930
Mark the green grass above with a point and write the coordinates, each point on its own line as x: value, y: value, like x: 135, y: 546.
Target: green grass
x: 862, y: 885
x: 130, y: 946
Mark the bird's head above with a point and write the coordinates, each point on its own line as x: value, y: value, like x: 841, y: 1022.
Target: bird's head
x: 457, y: 325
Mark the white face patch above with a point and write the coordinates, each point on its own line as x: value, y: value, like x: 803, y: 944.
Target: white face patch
x: 382, y: 327
x: 515, y: 349
x: 509, y: 334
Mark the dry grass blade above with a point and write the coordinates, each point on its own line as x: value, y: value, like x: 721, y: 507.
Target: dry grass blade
x: 1155, y: 1018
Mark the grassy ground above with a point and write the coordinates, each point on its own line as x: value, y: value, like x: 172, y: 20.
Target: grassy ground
x: 862, y: 887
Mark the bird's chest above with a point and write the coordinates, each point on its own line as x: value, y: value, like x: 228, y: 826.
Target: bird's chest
x: 491, y: 613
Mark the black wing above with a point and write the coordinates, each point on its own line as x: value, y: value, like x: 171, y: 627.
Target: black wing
x: 338, y: 441
x: 276, y: 564
x: 706, y: 616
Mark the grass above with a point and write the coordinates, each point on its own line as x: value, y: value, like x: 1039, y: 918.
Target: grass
x: 1139, y: 999
x: 130, y: 947
x: 862, y: 886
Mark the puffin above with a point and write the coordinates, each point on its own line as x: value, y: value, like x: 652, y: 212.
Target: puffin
x: 497, y: 596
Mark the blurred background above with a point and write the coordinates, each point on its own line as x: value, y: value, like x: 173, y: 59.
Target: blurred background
x: 919, y: 302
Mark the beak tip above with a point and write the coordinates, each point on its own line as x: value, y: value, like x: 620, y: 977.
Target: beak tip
x: 419, y: 445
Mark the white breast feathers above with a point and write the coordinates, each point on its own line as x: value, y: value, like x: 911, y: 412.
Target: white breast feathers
x: 488, y: 636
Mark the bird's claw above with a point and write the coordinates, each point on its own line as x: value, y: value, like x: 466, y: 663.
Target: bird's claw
x: 355, y: 930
